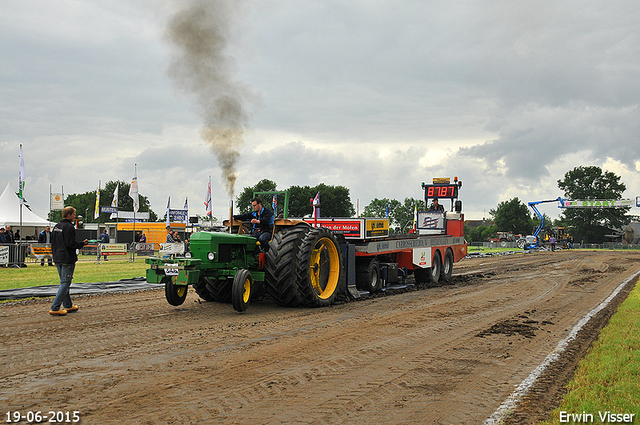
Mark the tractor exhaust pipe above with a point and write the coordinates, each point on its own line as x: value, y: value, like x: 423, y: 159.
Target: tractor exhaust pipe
x: 230, y: 215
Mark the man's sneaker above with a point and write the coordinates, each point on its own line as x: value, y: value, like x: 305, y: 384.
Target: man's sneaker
x: 60, y: 312
x: 72, y: 308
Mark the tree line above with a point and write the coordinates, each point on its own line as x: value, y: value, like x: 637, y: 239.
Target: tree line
x: 512, y: 216
x: 584, y: 224
x: 85, y: 203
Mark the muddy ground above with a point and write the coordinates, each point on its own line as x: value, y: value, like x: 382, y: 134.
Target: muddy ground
x: 448, y: 354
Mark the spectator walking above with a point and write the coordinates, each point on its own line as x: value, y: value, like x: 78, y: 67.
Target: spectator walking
x: 64, y: 246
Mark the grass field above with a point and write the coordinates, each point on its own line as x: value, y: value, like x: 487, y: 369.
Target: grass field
x: 607, y: 379
x: 471, y: 249
x: 86, y: 272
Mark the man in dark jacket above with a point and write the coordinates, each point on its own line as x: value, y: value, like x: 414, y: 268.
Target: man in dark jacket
x: 261, y: 221
x: 45, y: 237
x: 64, y: 246
x: 103, y: 238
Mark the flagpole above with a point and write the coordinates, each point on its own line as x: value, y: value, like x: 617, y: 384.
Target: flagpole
x: 134, y: 191
x: 21, y: 182
x: 133, y: 253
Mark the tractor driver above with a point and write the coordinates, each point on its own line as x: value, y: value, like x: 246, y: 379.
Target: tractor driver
x: 436, y: 206
x: 261, y: 221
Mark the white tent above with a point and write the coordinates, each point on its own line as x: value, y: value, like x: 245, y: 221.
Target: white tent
x: 10, y: 212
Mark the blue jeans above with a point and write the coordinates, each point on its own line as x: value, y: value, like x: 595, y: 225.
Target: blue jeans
x: 65, y: 271
x: 263, y: 238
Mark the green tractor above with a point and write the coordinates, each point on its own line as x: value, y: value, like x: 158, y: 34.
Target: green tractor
x: 303, y: 267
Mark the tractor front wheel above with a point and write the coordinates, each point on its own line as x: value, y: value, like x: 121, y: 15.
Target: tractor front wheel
x: 241, y: 290
x: 175, y: 294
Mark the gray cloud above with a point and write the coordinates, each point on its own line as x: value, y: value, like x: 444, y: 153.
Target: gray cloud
x: 374, y: 96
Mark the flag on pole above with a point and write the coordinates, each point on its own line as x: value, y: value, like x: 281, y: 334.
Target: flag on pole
x: 207, y: 199
x: 316, y: 205
x: 114, y: 202
x: 415, y: 215
x: 168, y: 211
x: 274, y: 205
x: 96, y: 210
x: 133, y: 190
x: 21, y: 177
x: 186, y: 210
x: 387, y: 210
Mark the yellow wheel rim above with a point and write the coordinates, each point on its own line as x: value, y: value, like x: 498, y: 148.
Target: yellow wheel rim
x: 247, y: 291
x: 324, y: 268
x: 181, y: 290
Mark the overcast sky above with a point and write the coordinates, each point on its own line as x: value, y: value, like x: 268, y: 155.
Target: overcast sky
x: 377, y: 96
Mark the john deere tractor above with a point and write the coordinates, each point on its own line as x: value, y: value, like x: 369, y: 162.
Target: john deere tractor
x: 303, y: 267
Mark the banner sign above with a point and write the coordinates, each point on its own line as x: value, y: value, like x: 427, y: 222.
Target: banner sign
x: 431, y: 220
x: 41, y: 250
x: 178, y: 215
x: 354, y: 228
x: 171, y: 248
x: 109, y: 210
x: 4, y: 254
x: 57, y: 202
x: 597, y: 203
x: 113, y: 248
x: 129, y: 215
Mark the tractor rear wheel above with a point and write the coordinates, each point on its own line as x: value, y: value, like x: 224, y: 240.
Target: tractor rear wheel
x: 281, y: 279
x: 175, y: 294
x: 320, y: 268
x: 202, y: 290
x: 219, y: 289
x: 241, y: 290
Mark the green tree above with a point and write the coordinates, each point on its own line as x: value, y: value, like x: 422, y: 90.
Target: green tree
x: 401, y: 215
x: 590, y: 182
x: 378, y: 208
x: 511, y: 216
x: 243, y: 200
x: 84, y: 203
x: 481, y: 233
x: 404, y: 214
x: 335, y: 201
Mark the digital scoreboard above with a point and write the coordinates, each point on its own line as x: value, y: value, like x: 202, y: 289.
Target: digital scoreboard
x: 447, y: 191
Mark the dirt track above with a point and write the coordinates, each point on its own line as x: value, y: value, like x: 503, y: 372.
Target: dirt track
x: 443, y: 355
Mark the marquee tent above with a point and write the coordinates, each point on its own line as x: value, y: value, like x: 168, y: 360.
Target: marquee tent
x: 10, y: 212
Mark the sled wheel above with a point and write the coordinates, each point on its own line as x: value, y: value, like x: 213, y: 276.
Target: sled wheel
x: 369, y: 279
x: 436, y: 266
x: 241, y: 290
x: 447, y: 267
x: 175, y: 294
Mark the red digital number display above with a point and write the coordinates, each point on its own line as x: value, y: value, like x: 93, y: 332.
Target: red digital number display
x: 444, y: 191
